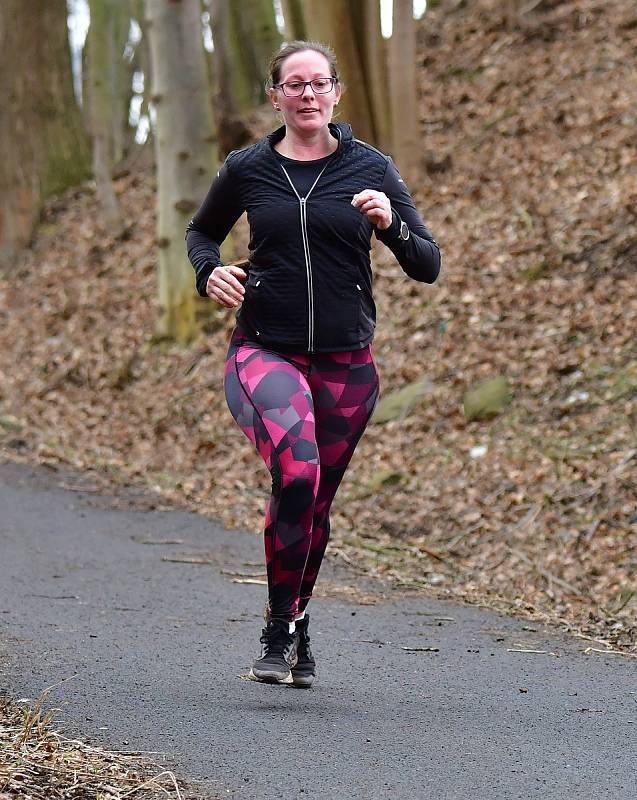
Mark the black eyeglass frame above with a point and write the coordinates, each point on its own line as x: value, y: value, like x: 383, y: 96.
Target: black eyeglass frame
x: 333, y: 81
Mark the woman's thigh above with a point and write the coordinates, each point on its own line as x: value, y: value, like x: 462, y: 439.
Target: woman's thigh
x: 345, y: 387
x: 269, y: 397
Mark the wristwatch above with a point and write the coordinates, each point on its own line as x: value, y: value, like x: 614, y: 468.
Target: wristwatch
x: 403, y: 232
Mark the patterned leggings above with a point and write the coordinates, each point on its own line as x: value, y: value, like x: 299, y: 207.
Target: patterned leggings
x: 305, y: 415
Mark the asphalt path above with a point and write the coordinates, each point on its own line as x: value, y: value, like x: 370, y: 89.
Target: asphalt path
x: 99, y: 594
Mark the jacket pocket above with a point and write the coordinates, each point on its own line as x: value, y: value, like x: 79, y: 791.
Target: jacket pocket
x: 274, y: 305
x: 338, y: 312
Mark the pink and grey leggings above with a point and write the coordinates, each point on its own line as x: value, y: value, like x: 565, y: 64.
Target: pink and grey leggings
x: 305, y: 414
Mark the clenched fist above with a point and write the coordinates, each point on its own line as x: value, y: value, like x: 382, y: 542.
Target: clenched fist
x: 224, y: 285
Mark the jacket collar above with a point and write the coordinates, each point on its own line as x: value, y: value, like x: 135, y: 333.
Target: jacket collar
x: 339, y: 130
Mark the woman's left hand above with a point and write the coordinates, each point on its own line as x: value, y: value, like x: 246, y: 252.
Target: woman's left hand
x: 376, y: 207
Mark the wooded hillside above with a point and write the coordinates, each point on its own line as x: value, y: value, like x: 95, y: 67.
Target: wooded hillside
x: 529, y: 150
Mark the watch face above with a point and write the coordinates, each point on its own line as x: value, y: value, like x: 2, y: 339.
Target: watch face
x: 404, y: 231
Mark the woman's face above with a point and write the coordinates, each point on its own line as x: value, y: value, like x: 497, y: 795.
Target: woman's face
x: 309, y: 111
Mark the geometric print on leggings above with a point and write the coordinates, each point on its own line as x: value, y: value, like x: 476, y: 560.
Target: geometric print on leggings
x: 304, y: 413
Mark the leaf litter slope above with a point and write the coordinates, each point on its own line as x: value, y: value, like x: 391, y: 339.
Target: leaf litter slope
x: 531, y: 189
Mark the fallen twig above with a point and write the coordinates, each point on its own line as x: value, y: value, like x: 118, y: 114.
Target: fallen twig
x: 242, y: 574
x: 157, y: 541
x: 69, y: 487
x: 526, y: 520
x: 606, y: 644
x: 588, y: 650
x: 154, y: 782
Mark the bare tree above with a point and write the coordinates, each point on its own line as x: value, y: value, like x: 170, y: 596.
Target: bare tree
x: 234, y: 89
x: 245, y: 36
x: 294, y: 20
x: 184, y: 150
x: 373, y: 53
x: 334, y: 22
x: 105, y: 101
x: 139, y: 64
x: 42, y: 139
x: 260, y: 38
x: 404, y: 108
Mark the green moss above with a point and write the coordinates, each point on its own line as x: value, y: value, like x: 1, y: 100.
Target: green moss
x: 487, y: 399
x: 399, y: 404
x: 536, y: 271
x: 63, y: 171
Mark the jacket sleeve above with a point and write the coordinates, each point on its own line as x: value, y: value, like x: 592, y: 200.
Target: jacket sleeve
x: 419, y: 256
x: 211, y: 224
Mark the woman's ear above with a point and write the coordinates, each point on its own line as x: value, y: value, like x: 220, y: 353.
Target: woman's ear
x: 274, y: 98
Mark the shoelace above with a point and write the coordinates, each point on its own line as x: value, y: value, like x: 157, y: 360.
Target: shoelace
x: 275, y: 640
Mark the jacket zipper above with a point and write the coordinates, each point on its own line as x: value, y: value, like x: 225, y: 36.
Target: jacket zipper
x: 306, y: 252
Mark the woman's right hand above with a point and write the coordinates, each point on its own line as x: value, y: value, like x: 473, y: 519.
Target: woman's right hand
x: 224, y: 285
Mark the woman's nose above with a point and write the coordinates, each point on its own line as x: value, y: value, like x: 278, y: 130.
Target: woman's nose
x: 307, y: 90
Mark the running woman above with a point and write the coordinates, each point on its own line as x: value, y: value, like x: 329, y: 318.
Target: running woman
x: 300, y: 378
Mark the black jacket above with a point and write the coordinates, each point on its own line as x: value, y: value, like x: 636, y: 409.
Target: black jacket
x: 309, y: 286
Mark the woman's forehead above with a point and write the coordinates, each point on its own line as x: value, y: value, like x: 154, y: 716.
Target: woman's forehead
x: 305, y: 62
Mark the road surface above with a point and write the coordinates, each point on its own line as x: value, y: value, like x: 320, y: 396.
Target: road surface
x: 99, y: 593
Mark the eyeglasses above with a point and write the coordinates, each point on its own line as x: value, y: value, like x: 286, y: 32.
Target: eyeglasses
x: 296, y: 88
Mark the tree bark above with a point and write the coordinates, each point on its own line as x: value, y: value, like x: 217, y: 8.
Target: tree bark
x: 294, y: 20
x: 260, y: 39
x: 245, y: 37
x: 141, y: 59
x: 105, y: 101
x: 333, y: 22
x: 404, y: 96
x: 371, y: 46
x: 43, y: 143
x: 184, y: 149
x: 120, y: 78
x: 235, y: 93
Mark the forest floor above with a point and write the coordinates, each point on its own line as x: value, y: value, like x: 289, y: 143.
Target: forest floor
x: 530, y: 187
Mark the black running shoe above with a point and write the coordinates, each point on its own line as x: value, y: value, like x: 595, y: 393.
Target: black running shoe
x: 278, y: 653
x: 305, y: 670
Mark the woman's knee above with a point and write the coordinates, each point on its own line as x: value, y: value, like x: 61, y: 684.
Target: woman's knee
x: 298, y: 477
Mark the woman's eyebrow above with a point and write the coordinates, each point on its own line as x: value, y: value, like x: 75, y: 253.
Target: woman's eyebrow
x: 296, y: 77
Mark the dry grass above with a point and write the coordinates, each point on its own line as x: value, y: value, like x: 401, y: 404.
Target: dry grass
x: 37, y: 762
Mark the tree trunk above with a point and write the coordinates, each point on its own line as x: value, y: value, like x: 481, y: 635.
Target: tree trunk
x: 371, y: 46
x: 104, y: 102
x: 260, y: 39
x: 404, y: 96
x: 184, y: 149
x: 42, y: 140
x: 333, y: 22
x: 120, y: 78
x: 141, y: 60
x: 235, y: 93
x: 245, y: 37
x: 294, y: 21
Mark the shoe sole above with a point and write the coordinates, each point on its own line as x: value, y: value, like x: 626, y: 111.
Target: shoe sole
x: 270, y: 676
x: 302, y: 681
